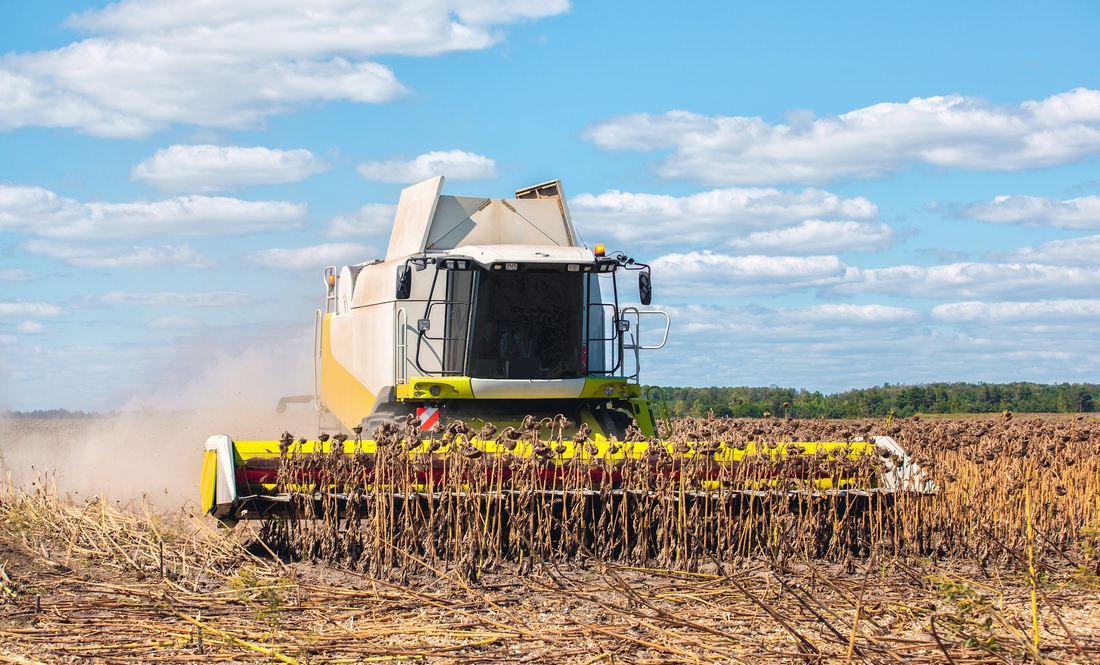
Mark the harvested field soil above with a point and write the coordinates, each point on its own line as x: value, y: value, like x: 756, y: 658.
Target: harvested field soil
x: 95, y: 581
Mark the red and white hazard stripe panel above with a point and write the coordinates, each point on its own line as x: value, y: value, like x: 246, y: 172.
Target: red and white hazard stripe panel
x: 428, y: 416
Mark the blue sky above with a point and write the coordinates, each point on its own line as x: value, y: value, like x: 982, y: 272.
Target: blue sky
x: 830, y: 197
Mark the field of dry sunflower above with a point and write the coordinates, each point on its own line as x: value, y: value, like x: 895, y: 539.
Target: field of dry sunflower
x: 1000, y: 565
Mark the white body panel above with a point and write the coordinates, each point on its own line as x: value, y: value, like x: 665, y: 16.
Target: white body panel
x: 907, y: 476
x: 533, y: 388
x: 357, y: 337
x: 225, y: 479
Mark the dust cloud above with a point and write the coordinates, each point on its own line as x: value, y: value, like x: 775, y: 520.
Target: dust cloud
x: 154, y: 446
x: 122, y: 457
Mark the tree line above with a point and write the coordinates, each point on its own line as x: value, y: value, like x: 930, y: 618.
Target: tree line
x: 903, y: 400
x: 52, y: 414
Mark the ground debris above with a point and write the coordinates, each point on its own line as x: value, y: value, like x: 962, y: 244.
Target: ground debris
x: 94, y: 581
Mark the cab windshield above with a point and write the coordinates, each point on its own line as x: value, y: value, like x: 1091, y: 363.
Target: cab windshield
x: 527, y: 325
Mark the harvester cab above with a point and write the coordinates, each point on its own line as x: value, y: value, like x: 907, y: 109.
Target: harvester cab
x: 487, y: 311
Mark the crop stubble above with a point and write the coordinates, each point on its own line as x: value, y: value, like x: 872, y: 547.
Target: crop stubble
x: 942, y: 578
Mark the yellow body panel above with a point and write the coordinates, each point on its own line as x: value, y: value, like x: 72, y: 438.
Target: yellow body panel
x: 342, y: 393
x: 207, y: 484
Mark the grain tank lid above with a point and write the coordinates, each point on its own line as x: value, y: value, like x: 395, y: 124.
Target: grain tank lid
x: 427, y: 221
x: 415, y: 211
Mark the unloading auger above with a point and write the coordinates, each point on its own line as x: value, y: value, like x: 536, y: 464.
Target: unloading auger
x: 489, y: 348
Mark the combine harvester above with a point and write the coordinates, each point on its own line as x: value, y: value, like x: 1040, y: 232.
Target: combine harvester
x: 490, y: 354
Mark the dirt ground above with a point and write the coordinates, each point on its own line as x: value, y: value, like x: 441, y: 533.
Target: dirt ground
x: 92, y: 579
x: 68, y: 603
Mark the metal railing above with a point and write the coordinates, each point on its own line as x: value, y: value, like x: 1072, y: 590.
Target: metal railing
x: 318, y: 326
x: 330, y: 289
x: 635, y: 335
x: 401, y: 345
x: 422, y: 334
x: 614, y: 363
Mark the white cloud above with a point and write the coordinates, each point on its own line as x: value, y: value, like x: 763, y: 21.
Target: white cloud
x: 316, y: 257
x: 174, y: 323
x: 838, y: 347
x: 818, y: 237
x: 952, y: 131
x: 702, y: 326
x: 372, y: 220
x: 849, y: 314
x: 708, y: 273
x: 985, y: 281
x: 1079, y: 213
x: 167, y: 299
x: 1073, y: 252
x: 30, y: 327
x: 715, y: 274
x: 941, y: 255
x: 454, y: 164
x: 831, y: 347
x: 17, y: 275
x: 230, y: 65
x: 202, y: 169
x: 91, y: 256
x: 418, y: 28
x: 787, y: 320
x: 19, y: 308
x: 123, y: 89
x: 1043, y: 312
x: 38, y: 211
x: 706, y: 217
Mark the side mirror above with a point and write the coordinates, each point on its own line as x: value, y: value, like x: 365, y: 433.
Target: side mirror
x: 404, y: 282
x: 645, y: 288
